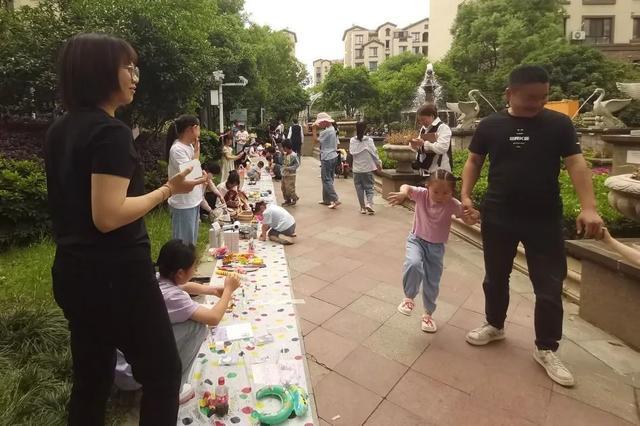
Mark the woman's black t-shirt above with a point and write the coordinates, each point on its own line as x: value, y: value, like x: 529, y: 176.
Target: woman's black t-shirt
x: 77, y: 145
x: 525, y: 159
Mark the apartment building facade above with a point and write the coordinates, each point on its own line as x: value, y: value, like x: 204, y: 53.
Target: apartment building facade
x: 321, y: 68
x: 613, y: 26
x: 370, y: 48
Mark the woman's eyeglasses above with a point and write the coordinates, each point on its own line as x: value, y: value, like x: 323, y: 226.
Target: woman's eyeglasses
x: 134, y: 72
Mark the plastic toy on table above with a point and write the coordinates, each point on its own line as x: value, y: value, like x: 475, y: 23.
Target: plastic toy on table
x: 294, y: 399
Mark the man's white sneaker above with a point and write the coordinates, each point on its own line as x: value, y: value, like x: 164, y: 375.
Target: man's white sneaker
x: 483, y: 335
x: 428, y: 324
x: 406, y: 306
x: 554, y: 367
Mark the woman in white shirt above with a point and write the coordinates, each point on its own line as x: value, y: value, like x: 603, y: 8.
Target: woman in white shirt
x: 183, y: 145
x: 365, y: 162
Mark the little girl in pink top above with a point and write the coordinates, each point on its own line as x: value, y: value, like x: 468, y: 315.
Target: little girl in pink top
x: 435, y: 205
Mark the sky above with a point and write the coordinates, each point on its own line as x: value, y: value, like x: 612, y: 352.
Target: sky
x: 319, y: 25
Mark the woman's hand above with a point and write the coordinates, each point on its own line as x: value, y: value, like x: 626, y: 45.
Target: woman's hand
x: 180, y: 185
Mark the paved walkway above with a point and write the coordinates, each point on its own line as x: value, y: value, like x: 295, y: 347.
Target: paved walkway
x: 370, y: 364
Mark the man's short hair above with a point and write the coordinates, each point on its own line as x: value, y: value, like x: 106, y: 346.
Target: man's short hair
x: 427, y: 109
x: 287, y: 144
x: 528, y: 74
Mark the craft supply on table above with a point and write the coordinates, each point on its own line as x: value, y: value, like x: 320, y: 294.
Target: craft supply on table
x: 263, y: 305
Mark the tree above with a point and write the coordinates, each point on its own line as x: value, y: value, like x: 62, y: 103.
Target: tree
x: 348, y: 88
x: 395, y: 81
x: 491, y: 37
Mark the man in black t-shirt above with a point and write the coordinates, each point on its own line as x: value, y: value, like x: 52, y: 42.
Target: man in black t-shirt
x: 525, y: 145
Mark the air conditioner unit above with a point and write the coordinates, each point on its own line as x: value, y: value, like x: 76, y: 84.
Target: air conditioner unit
x: 578, y: 35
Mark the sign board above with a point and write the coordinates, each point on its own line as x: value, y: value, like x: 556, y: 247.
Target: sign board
x: 633, y: 157
x: 239, y: 114
x: 215, y: 99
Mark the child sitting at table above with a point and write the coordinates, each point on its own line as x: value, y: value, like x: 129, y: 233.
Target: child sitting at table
x: 255, y: 171
x: 235, y: 200
x: 277, y: 223
x: 189, y: 319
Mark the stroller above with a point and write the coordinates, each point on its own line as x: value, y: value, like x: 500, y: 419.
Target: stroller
x: 343, y: 166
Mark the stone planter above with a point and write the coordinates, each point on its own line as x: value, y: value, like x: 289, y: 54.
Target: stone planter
x: 624, y: 195
x: 403, y: 155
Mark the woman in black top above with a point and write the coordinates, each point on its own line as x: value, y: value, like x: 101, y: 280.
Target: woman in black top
x: 103, y: 275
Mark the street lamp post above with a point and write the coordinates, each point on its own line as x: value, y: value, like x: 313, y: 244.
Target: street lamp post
x: 219, y: 77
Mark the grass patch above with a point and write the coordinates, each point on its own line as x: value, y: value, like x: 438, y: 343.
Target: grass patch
x: 35, y: 358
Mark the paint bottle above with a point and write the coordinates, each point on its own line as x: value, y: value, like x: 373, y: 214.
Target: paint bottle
x: 222, y: 398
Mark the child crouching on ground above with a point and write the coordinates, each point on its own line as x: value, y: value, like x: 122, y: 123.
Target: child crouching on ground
x: 277, y: 223
x: 189, y: 319
x: 434, y: 206
x: 255, y: 171
x: 291, y: 164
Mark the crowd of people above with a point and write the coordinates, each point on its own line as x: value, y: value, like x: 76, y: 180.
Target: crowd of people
x: 97, y: 201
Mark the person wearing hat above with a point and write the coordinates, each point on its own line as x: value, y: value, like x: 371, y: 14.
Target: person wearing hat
x: 328, y: 140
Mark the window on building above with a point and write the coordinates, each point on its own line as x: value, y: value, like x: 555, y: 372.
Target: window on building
x: 387, y: 32
x: 386, y: 55
x: 416, y: 50
x: 386, y: 44
x: 403, y: 48
x: 359, y: 54
x: 636, y: 27
x: 416, y: 37
x: 359, y: 39
x: 359, y: 64
x: 599, y: 30
x: 318, y: 78
x: 425, y: 37
x: 425, y: 50
x: 373, y: 51
x: 373, y: 66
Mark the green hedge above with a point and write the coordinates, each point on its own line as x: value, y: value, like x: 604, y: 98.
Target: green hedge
x: 617, y: 224
x: 24, y: 214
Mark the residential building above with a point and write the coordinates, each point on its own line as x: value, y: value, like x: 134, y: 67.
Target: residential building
x: 370, y: 48
x: 442, y: 14
x: 17, y: 4
x: 612, y: 26
x: 321, y: 68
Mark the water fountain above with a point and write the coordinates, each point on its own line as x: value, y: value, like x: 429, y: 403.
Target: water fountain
x: 429, y: 91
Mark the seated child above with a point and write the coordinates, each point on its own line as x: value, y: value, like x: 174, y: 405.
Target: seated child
x: 235, y: 200
x: 255, y: 171
x: 279, y: 223
x: 189, y: 319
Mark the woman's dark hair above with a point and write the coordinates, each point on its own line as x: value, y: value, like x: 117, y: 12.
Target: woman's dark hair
x: 178, y: 127
x: 361, y: 127
x: 427, y: 109
x: 211, y: 167
x: 89, y: 66
x: 227, y: 137
x: 258, y: 206
x: 175, y: 255
x: 260, y: 164
x: 443, y: 175
x: 233, y: 179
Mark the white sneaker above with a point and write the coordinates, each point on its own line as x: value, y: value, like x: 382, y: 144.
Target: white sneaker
x: 370, y: 209
x: 428, y: 324
x: 483, y: 335
x: 334, y: 204
x: 406, y: 306
x: 554, y: 367
x: 363, y: 211
x: 186, y: 393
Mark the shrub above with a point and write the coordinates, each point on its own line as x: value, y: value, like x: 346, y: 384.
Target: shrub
x: 617, y: 224
x: 24, y: 214
x: 387, y: 163
x: 210, y: 146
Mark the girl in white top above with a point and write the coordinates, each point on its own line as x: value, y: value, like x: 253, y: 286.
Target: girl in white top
x: 365, y: 162
x: 183, y: 145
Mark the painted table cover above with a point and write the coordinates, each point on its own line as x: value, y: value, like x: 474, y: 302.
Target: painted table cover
x: 266, y: 305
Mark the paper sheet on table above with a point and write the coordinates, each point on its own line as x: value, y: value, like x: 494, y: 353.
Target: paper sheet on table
x: 266, y: 374
x: 232, y: 332
x: 196, y: 173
